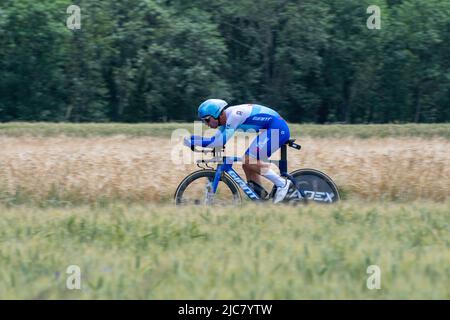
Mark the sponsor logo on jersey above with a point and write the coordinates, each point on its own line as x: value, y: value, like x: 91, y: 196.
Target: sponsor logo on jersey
x: 261, y: 118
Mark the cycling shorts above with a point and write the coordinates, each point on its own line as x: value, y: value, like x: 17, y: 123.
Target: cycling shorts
x: 269, y: 140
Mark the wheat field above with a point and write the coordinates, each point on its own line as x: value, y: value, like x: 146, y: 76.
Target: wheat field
x: 100, y: 198
x: 75, y: 170
x: 256, y: 252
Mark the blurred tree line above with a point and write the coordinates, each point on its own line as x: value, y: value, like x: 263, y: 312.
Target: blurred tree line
x: 156, y: 60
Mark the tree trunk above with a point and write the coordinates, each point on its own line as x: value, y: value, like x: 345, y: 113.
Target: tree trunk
x: 68, y: 112
x: 346, y: 103
x: 323, y: 112
x: 417, y: 103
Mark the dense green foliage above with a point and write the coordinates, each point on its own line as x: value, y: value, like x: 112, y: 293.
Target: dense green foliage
x: 156, y: 60
x: 143, y: 252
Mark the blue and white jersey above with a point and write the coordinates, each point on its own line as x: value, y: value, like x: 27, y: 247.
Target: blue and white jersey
x: 245, y: 117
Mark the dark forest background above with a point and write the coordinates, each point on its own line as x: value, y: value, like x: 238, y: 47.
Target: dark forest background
x: 144, y: 61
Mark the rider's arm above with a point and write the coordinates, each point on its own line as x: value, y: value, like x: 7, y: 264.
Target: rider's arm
x: 222, y: 135
x: 219, y: 139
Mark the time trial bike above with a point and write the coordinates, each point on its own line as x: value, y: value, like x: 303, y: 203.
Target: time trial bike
x: 222, y: 185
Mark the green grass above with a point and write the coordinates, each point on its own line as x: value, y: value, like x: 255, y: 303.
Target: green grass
x: 166, y: 129
x: 253, y: 252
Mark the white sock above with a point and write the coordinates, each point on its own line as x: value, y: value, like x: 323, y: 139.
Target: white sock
x: 274, y: 178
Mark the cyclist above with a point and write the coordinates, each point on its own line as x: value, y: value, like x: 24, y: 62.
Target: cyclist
x: 216, y: 113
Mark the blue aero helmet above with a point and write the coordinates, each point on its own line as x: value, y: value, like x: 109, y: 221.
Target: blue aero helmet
x: 211, y: 107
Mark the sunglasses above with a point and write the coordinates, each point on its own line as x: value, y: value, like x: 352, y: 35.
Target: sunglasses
x: 206, y: 119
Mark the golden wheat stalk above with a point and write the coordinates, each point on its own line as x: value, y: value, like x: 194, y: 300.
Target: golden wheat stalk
x: 120, y: 167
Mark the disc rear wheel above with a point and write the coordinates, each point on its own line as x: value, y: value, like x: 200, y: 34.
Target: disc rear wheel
x: 316, y: 186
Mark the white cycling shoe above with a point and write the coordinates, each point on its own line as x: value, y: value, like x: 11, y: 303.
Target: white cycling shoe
x: 281, y: 192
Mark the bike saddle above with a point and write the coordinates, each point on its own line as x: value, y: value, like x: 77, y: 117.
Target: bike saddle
x: 291, y: 144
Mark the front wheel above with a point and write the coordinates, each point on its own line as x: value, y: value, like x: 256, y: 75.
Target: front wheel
x: 196, y: 189
x: 316, y: 186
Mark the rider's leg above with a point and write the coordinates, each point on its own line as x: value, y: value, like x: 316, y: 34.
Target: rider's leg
x: 253, y: 168
x: 262, y: 148
x: 256, y: 157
